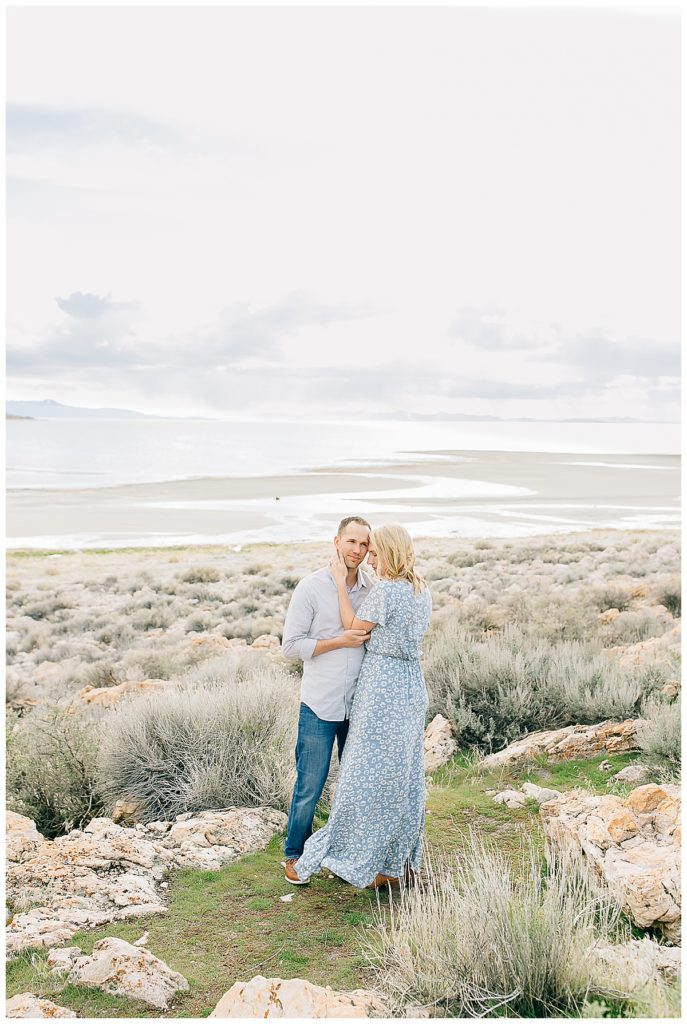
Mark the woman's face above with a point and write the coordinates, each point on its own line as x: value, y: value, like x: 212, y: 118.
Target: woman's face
x: 372, y: 557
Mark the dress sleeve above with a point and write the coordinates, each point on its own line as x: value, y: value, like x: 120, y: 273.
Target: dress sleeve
x: 374, y: 607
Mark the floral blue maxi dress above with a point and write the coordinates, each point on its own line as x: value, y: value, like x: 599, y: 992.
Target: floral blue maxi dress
x: 378, y: 811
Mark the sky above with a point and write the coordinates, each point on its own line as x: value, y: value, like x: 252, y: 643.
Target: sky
x: 316, y: 211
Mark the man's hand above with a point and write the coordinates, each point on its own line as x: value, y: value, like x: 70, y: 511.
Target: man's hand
x: 354, y: 637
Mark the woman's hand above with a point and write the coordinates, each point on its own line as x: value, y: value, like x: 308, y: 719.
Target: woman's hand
x: 338, y: 568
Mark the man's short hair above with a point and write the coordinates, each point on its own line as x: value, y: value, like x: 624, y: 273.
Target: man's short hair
x: 352, y: 519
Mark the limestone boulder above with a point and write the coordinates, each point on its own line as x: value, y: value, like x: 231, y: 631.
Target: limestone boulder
x: 440, y: 743
x: 511, y: 798
x: 22, y: 838
x: 273, y: 997
x: 632, y: 774
x: 61, y: 961
x: 108, y: 696
x: 631, y: 845
x: 127, y: 812
x: 568, y: 743
x: 266, y: 642
x: 121, y: 969
x: 27, y: 1005
x: 209, y: 643
x: 210, y: 839
x: 634, y: 964
x: 663, y: 649
x: 539, y: 793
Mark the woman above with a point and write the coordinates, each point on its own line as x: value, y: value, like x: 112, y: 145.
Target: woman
x: 375, y: 827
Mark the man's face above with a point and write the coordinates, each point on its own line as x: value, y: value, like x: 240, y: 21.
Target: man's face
x: 353, y: 544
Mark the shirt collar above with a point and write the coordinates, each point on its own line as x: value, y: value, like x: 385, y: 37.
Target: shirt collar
x: 361, y: 580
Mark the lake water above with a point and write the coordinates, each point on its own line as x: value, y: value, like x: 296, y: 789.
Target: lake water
x: 111, y: 483
x: 104, y: 453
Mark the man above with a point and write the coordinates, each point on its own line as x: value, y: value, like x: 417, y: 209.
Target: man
x: 332, y: 657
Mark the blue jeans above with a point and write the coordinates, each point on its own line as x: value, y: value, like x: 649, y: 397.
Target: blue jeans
x: 313, y: 756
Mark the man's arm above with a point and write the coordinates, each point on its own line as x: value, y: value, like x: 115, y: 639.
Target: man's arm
x: 296, y: 641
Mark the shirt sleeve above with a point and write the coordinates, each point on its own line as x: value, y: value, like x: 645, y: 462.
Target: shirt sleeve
x: 374, y: 607
x: 296, y: 643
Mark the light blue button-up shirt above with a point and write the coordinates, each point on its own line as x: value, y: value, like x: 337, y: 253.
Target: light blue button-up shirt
x: 329, y: 679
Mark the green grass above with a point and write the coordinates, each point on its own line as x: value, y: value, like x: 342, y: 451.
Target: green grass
x: 229, y: 925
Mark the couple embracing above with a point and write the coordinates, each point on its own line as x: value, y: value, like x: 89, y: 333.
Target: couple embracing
x: 360, y: 639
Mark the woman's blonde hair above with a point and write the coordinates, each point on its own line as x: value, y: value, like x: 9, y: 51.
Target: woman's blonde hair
x: 395, y: 548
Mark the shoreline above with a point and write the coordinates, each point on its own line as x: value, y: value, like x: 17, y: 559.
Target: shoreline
x: 468, y: 493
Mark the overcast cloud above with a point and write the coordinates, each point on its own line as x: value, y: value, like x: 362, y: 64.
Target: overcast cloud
x: 228, y: 211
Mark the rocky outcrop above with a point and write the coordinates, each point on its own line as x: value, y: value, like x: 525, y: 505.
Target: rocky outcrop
x: 514, y: 798
x: 440, y: 744
x: 657, y: 649
x: 510, y: 798
x: 127, y: 812
x: 21, y: 836
x: 539, y: 793
x: 632, y: 846
x: 571, y: 742
x: 632, y: 774
x: 634, y: 964
x: 266, y: 642
x: 107, y: 872
x: 108, y: 696
x: 272, y: 997
x: 27, y: 1005
x: 121, y: 969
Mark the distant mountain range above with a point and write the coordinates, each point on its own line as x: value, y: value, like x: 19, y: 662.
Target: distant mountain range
x: 452, y: 416
x: 50, y: 410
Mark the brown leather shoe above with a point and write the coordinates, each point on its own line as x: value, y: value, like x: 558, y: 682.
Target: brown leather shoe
x: 290, y: 874
x: 381, y: 880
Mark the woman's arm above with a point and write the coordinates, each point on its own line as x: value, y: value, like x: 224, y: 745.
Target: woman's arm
x: 348, y: 616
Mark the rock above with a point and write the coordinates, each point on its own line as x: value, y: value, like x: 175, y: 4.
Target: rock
x: 671, y: 689
x: 213, y: 643
x: 107, y: 872
x: 605, y: 766
x: 573, y: 741
x: 632, y: 846
x: 61, y: 961
x: 609, y: 615
x: 539, y: 793
x: 143, y: 940
x: 440, y: 744
x: 511, y: 798
x: 210, y: 839
x: 266, y: 642
x: 646, y: 798
x: 107, y: 696
x: 634, y: 964
x: 28, y: 1005
x: 126, y: 811
x: 21, y: 836
x: 656, y: 650
x: 273, y: 997
x: 121, y: 969
x: 633, y: 774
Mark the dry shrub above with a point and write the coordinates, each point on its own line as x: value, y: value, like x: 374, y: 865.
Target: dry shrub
x: 485, y: 935
x: 224, y: 737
